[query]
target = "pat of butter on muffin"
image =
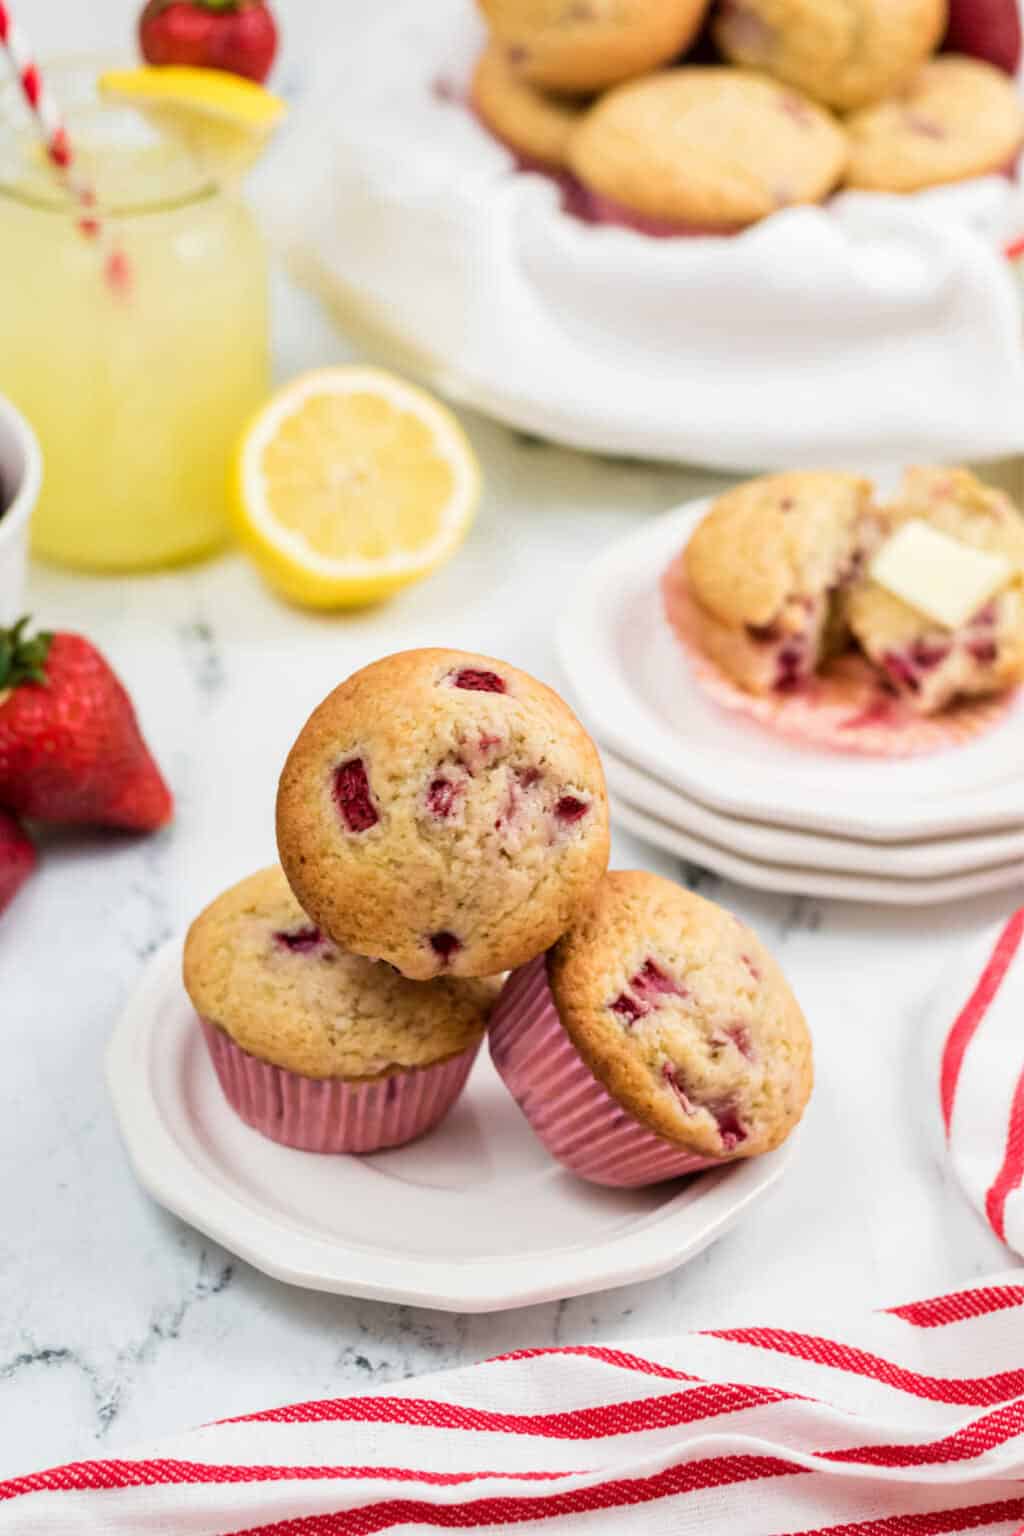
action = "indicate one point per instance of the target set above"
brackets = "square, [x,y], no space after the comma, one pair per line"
[939,576]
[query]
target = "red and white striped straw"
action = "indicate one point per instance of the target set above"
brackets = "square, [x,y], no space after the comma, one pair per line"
[57,140]
[34,89]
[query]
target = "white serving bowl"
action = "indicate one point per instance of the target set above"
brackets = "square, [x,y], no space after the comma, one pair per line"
[870,330]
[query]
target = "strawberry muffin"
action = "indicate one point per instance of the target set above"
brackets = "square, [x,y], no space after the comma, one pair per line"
[695,151]
[844,53]
[586,45]
[767,571]
[657,1037]
[445,812]
[956,119]
[320,1049]
[927,663]
[533,124]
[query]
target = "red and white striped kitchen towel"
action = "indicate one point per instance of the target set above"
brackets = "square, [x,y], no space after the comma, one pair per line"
[901,1423]
[981,1080]
[908,1422]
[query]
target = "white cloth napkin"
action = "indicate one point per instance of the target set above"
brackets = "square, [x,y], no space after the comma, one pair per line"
[980,1066]
[877,328]
[908,1422]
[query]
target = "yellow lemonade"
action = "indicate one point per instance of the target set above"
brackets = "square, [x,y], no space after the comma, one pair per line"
[138,352]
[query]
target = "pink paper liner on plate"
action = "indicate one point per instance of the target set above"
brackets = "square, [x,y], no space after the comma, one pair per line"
[331,1115]
[576,1118]
[844,709]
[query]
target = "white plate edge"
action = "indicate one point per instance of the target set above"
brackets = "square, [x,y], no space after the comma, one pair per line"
[769,844]
[168,1176]
[785,880]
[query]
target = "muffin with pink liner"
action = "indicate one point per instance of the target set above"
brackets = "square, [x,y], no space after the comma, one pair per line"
[656,1038]
[770,599]
[317,1048]
[768,569]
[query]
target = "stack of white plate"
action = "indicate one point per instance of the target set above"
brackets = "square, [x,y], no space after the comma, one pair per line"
[723,792]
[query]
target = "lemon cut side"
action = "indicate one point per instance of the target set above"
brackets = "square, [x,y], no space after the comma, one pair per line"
[352,484]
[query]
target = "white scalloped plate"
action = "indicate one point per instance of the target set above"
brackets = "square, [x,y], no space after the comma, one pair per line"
[473,1218]
[810,882]
[940,858]
[635,689]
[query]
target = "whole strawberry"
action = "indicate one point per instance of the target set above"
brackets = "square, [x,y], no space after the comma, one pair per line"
[17,859]
[70,746]
[237,35]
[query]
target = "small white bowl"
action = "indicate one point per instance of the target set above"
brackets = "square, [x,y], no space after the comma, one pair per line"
[21,475]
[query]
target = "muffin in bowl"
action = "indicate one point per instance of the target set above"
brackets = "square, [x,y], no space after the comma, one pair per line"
[587,45]
[844,53]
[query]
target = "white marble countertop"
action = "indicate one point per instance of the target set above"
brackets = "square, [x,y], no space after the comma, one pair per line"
[118,1323]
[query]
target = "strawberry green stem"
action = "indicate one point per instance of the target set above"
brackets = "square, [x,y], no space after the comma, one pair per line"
[23,657]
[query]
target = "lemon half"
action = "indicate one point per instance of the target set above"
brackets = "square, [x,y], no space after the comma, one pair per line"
[351,484]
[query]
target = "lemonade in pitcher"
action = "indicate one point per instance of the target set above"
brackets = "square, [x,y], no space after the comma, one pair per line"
[133,337]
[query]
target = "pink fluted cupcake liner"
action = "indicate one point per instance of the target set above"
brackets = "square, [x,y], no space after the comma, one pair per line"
[576,1118]
[332,1115]
[844,709]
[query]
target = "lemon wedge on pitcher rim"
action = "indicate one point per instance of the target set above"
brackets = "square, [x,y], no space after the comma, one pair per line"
[351,484]
[223,119]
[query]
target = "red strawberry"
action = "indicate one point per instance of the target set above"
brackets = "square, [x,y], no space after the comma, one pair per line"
[17,859]
[70,746]
[236,35]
